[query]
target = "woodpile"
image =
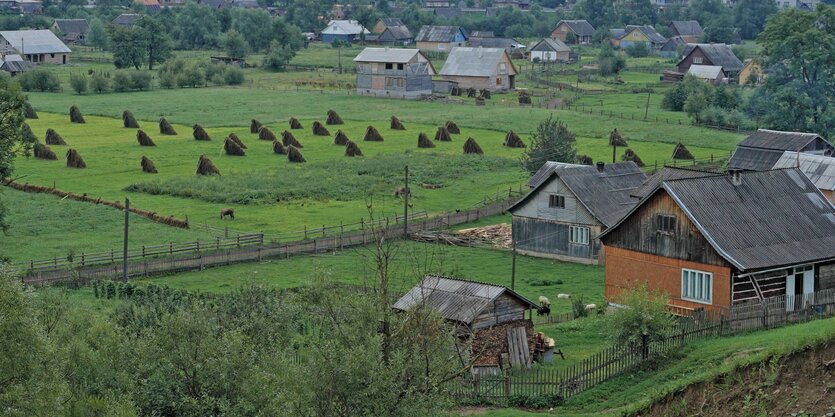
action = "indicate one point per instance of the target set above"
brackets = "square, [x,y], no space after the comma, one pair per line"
[341,138]
[443,135]
[165,128]
[497,235]
[75,115]
[630,155]
[148,165]
[43,152]
[53,138]
[206,167]
[452,128]
[424,142]
[351,149]
[333,118]
[29,111]
[200,133]
[234,138]
[232,148]
[319,129]
[615,139]
[293,155]
[471,146]
[288,139]
[74,159]
[681,152]
[278,148]
[254,126]
[372,135]
[144,139]
[512,140]
[584,160]
[129,121]
[266,134]
[396,124]
[488,345]
[294,123]
[455,91]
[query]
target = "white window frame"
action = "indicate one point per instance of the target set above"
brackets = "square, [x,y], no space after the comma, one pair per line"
[694,288]
[579,235]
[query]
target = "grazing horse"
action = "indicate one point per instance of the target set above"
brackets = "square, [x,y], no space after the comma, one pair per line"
[227,212]
[402,192]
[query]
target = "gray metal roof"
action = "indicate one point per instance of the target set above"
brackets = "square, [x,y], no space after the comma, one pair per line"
[35,41]
[687,27]
[709,72]
[455,299]
[579,27]
[126,19]
[437,33]
[14,64]
[818,168]
[475,62]
[647,30]
[753,159]
[544,172]
[552,44]
[494,42]
[673,43]
[718,54]
[398,32]
[72,26]
[778,140]
[668,173]
[391,21]
[393,55]
[344,27]
[617,33]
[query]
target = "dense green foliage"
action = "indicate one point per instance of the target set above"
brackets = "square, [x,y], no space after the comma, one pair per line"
[39,79]
[11,123]
[610,62]
[644,317]
[552,141]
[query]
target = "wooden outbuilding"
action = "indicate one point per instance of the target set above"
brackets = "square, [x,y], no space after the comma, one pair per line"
[582,31]
[480,68]
[440,38]
[396,73]
[763,148]
[718,54]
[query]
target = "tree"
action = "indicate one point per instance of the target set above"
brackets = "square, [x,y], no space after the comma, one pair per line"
[11,121]
[128,45]
[552,141]
[98,34]
[609,62]
[365,16]
[157,43]
[78,82]
[279,56]
[644,317]
[99,83]
[750,16]
[39,79]
[597,12]
[235,44]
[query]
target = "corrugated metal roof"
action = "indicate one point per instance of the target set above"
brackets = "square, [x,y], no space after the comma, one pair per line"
[777,140]
[494,42]
[545,171]
[454,299]
[753,159]
[35,41]
[668,173]
[554,44]
[391,21]
[393,55]
[12,65]
[709,72]
[688,27]
[126,19]
[344,27]
[398,32]
[718,54]
[819,169]
[72,26]
[579,27]
[429,33]
[648,31]
[475,62]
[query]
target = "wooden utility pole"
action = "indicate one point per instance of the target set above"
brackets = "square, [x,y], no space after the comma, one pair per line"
[125,246]
[646,110]
[406,204]
[513,267]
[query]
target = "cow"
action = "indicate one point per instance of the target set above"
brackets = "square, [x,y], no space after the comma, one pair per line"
[227,212]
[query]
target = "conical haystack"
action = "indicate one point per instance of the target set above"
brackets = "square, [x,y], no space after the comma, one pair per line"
[452,127]
[293,154]
[512,140]
[74,159]
[234,138]
[333,118]
[424,142]
[341,138]
[148,165]
[320,130]
[206,167]
[470,146]
[75,115]
[443,135]
[200,133]
[144,139]
[524,97]
[615,139]
[681,152]
[266,134]
[129,121]
[279,148]
[396,124]
[288,139]
[372,135]
[630,155]
[351,149]
[29,111]
[294,123]
[232,148]
[43,152]
[254,126]
[26,133]
[585,160]
[53,138]
[165,128]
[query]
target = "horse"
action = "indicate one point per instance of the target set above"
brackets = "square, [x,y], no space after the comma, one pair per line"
[227,212]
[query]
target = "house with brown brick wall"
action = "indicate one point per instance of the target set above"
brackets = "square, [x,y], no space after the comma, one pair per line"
[714,241]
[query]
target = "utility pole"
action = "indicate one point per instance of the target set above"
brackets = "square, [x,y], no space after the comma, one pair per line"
[406,204]
[614,152]
[513,267]
[646,111]
[125,246]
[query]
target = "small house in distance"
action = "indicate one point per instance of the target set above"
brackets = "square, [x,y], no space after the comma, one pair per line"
[71,30]
[580,30]
[642,34]
[15,64]
[396,73]
[689,30]
[480,68]
[671,47]
[763,148]
[391,32]
[36,46]
[343,30]
[569,205]
[711,54]
[384,23]
[550,50]
[440,38]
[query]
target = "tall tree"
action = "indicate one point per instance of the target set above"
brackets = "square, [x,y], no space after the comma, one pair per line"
[750,16]
[552,141]
[235,44]
[128,45]
[597,12]
[11,121]
[156,40]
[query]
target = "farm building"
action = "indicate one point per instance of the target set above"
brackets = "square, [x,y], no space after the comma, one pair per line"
[718,240]
[570,205]
[712,74]
[126,19]
[689,30]
[15,64]
[761,149]
[343,30]
[642,34]
[818,168]
[71,30]
[752,73]
[508,44]
[711,54]
[36,46]
[384,23]
[615,35]
[480,68]
[581,31]
[516,4]
[550,50]
[398,73]
[671,48]
[440,38]
[395,35]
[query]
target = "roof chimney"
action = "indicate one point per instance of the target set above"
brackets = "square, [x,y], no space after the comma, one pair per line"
[736,177]
[600,166]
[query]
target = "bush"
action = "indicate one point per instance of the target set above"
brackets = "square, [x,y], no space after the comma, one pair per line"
[192,76]
[167,79]
[278,57]
[609,62]
[637,50]
[39,79]
[121,82]
[534,401]
[213,72]
[644,317]
[140,80]
[233,76]
[99,83]
[78,82]
[578,307]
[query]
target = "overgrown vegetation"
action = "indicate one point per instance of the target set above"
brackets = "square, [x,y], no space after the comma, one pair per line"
[552,141]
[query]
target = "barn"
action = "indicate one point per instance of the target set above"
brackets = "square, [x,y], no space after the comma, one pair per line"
[390,72]
[480,68]
[36,46]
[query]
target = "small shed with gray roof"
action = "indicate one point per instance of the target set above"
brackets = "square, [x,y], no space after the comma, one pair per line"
[712,74]
[761,150]
[395,73]
[15,64]
[36,46]
[440,38]
[71,30]
[550,50]
[480,68]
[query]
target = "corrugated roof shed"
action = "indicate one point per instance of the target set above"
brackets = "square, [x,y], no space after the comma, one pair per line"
[475,62]
[344,27]
[687,28]
[553,44]
[753,159]
[437,33]
[399,32]
[778,140]
[72,26]
[579,27]
[818,168]
[14,64]
[126,19]
[707,72]
[35,41]
[718,54]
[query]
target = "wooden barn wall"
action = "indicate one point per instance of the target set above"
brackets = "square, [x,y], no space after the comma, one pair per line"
[504,309]
[685,64]
[550,237]
[639,233]
[826,277]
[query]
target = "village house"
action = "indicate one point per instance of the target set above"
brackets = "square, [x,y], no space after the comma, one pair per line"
[711,54]
[396,73]
[818,168]
[15,64]
[644,34]
[126,19]
[480,68]
[71,30]
[550,50]
[36,46]
[581,31]
[672,47]
[615,35]
[31,7]
[718,240]
[569,205]
[712,74]
[440,38]
[752,73]
[689,30]
[391,31]
[761,149]
[343,31]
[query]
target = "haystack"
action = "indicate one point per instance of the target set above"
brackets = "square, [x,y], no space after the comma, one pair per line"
[294,123]
[396,124]
[470,146]
[443,135]
[333,118]
[351,149]
[341,138]
[681,152]
[288,139]
[452,127]
[206,167]
[165,128]
[630,155]
[148,165]
[615,139]
[585,160]
[524,97]
[293,154]
[129,121]
[29,111]
[43,152]
[372,135]
[424,142]
[232,148]
[75,115]
[266,134]
[200,133]
[320,130]
[234,138]
[512,140]
[26,133]
[254,126]
[53,138]
[279,148]
[144,139]
[74,159]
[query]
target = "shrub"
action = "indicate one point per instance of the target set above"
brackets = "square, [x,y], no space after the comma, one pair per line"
[609,62]
[79,84]
[278,57]
[140,80]
[39,79]
[638,50]
[644,317]
[578,307]
[534,401]
[99,83]
[121,82]
[233,76]
[213,72]
[552,141]
[167,79]
[191,76]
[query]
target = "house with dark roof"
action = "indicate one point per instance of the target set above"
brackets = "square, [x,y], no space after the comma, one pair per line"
[393,72]
[126,19]
[35,46]
[689,30]
[71,30]
[550,50]
[15,64]
[448,13]
[761,149]
[569,205]
[395,36]
[581,31]
[645,34]
[717,241]
[718,54]
[385,22]
[480,68]
[440,38]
